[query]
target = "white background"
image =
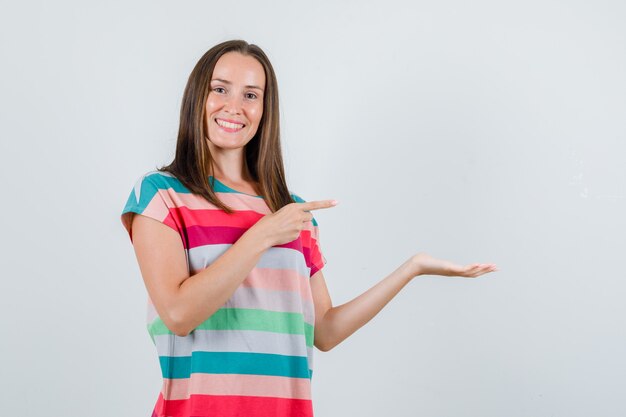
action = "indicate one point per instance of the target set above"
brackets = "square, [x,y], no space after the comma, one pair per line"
[481,131]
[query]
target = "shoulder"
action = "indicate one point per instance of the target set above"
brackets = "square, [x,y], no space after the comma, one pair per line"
[153,181]
[157,178]
[152,196]
[297,198]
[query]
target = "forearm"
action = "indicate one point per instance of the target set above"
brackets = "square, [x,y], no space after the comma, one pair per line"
[202,294]
[341,321]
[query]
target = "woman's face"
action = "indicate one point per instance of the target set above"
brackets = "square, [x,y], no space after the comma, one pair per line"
[235,103]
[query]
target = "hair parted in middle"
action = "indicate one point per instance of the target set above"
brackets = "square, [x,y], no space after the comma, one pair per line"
[193,163]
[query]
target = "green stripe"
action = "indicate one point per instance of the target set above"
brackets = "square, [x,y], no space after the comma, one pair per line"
[247,319]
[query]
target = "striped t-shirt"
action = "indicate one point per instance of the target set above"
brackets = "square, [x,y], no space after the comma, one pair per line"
[254,356]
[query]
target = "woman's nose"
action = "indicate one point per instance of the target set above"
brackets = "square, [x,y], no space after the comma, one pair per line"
[233,104]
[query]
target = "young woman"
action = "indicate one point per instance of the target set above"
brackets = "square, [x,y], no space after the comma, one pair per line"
[231,259]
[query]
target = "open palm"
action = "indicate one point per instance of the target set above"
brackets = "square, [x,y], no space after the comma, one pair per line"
[427,265]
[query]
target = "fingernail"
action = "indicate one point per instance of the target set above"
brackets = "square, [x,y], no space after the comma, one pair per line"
[334,202]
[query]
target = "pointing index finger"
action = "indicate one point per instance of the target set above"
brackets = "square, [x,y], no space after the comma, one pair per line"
[319,204]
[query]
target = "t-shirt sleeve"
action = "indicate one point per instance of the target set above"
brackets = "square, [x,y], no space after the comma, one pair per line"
[149,197]
[315,258]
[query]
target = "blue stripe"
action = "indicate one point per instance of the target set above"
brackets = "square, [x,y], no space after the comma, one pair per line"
[154,181]
[234,363]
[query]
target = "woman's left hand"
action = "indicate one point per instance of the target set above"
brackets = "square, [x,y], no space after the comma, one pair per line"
[425,264]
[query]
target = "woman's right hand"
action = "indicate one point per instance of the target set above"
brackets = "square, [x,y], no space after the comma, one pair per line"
[285,224]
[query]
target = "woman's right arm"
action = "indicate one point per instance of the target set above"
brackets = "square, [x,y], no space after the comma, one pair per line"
[183,302]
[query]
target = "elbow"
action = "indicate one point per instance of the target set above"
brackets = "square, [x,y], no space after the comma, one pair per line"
[181,323]
[321,347]
[176,324]
[181,332]
[324,345]
[324,348]
[177,328]
[323,339]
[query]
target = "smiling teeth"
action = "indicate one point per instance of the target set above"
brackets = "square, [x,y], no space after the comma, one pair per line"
[229,125]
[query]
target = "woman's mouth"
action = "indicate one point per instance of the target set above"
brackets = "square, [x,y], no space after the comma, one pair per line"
[228,126]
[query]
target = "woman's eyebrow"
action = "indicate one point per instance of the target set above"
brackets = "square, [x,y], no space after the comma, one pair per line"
[228,82]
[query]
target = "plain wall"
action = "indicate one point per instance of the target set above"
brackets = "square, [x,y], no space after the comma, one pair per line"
[481,131]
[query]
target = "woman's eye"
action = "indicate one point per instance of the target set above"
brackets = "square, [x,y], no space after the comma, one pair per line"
[218,88]
[251,94]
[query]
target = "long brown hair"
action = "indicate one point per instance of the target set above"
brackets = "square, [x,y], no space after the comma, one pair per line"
[193,164]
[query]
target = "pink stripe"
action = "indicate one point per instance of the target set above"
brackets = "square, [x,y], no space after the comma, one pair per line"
[233,406]
[253,208]
[212,217]
[279,279]
[196,202]
[156,210]
[219,235]
[213,235]
[235,384]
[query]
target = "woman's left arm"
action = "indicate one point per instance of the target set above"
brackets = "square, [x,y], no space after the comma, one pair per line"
[334,324]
